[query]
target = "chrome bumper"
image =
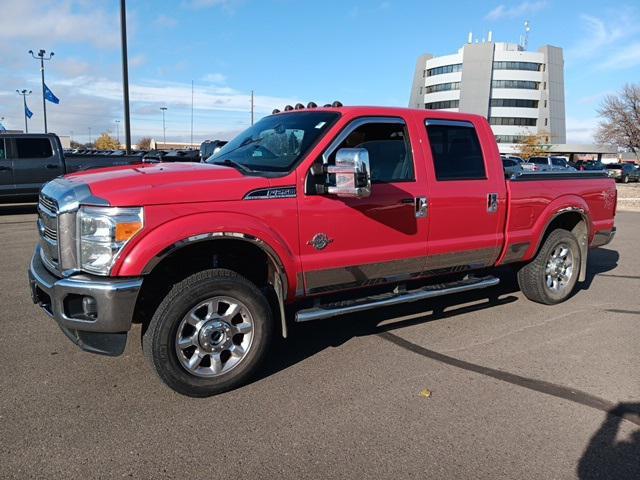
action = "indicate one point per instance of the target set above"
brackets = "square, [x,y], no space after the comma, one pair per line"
[604,237]
[104,329]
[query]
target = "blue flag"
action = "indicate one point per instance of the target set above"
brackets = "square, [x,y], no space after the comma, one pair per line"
[48,95]
[28,113]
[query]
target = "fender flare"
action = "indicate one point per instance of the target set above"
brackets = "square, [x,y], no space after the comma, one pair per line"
[167,238]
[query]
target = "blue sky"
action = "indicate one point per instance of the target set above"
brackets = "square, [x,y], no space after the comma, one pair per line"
[360,52]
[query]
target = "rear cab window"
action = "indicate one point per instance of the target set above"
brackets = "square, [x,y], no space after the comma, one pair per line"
[456,150]
[3,150]
[33,148]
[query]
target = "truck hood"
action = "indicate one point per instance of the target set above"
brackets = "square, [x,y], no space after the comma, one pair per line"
[160,183]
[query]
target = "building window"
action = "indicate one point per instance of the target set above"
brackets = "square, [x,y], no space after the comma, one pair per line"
[545,104]
[442,87]
[525,84]
[444,69]
[456,152]
[546,122]
[544,85]
[443,104]
[509,138]
[518,121]
[514,102]
[534,67]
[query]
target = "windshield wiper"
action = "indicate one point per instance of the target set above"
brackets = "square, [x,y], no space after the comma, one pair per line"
[227,162]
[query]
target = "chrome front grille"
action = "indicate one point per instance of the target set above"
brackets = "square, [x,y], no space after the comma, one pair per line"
[49,204]
[48,229]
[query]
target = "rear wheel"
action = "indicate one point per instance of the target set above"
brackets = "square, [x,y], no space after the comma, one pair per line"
[209,334]
[552,275]
[625,179]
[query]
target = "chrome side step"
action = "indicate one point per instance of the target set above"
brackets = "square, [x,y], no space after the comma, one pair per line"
[394,298]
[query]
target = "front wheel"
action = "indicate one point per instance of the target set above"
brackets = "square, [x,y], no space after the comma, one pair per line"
[552,275]
[625,179]
[210,333]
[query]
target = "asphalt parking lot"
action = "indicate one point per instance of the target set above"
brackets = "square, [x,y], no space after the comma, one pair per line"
[517,390]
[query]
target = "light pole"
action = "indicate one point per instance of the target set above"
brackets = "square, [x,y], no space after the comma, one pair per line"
[125,75]
[90,139]
[118,132]
[164,128]
[24,94]
[42,56]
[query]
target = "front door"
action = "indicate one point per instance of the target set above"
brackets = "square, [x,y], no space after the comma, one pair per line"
[34,164]
[354,242]
[6,170]
[467,200]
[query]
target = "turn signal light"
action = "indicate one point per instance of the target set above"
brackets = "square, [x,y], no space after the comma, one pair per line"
[124,231]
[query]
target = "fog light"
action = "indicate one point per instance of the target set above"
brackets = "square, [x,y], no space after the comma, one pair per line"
[89,307]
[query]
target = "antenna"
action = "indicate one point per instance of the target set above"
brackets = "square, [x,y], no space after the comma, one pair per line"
[527,29]
[490,36]
[470,38]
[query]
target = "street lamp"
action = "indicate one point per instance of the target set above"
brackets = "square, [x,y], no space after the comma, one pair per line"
[164,128]
[90,139]
[118,131]
[24,94]
[42,56]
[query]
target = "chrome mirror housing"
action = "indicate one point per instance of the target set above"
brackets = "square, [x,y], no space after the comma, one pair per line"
[351,172]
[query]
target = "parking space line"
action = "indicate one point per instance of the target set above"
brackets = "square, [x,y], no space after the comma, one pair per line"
[541,386]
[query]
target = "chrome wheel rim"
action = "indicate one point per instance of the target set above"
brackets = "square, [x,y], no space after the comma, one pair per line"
[559,269]
[214,336]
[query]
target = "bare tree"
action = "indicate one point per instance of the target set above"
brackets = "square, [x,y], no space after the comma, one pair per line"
[144,143]
[621,119]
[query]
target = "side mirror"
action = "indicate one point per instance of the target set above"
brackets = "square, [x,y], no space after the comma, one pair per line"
[351,172]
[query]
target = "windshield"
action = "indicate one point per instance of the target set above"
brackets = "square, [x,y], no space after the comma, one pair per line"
[277,142]
[539,160]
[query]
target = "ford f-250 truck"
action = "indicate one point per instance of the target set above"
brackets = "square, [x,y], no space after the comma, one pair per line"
[309,214]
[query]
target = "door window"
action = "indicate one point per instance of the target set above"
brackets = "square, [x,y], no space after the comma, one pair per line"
[455,150]
[389,150]
[33,148]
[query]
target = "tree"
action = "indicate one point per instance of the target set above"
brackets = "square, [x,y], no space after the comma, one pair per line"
[144,143]
[533,145]
[621,119]
[106,142]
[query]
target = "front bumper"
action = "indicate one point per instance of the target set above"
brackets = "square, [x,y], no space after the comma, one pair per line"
[104,329]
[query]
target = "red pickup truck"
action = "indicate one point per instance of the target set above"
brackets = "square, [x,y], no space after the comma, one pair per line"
[311,213]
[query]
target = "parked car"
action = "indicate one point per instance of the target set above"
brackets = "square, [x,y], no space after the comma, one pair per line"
[623,172]
[28,160]
[209,147]
[588,165]
[551,164]
[511,166]
[307,215]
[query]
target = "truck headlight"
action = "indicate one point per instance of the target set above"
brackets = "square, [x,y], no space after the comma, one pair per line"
[103,232]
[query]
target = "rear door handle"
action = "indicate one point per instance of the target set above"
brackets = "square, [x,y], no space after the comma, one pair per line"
[51,166]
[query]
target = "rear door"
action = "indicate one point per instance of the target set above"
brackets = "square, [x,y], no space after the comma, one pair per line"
[6,170]
[467,196]
[356,242]
[35,162]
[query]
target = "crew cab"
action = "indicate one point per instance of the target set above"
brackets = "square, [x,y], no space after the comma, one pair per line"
[29,160]
[309,214]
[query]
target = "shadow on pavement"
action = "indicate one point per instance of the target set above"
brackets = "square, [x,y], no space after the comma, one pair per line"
[18,209]
[601,260]
[608,458]
[307,339]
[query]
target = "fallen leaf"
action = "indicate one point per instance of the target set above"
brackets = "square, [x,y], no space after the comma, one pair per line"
[426,393]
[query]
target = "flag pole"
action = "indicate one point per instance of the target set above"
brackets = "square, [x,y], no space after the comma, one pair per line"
[125,75]
[26,125]
[191,114]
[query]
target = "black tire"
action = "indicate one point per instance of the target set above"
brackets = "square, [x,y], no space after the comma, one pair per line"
[625,179]
[532,278]
[159,340]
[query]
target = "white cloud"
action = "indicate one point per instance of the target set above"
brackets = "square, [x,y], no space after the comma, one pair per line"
[514,11]
[214,78]
[58,21]
[164,21]
[581,130]
[226,4]
[624,57]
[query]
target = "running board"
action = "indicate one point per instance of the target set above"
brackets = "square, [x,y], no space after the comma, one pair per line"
[394,298]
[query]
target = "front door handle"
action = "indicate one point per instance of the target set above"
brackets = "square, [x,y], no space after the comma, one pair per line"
[422,206]
[492,202]
[51,166]
[2,168]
